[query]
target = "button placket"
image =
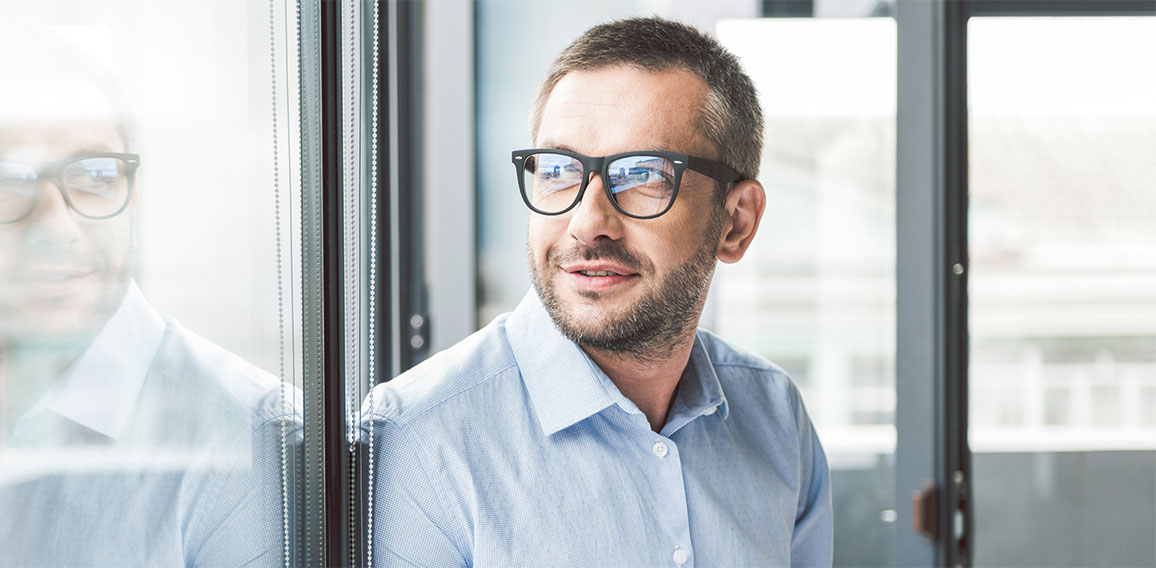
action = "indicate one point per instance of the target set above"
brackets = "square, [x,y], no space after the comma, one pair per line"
[681,555]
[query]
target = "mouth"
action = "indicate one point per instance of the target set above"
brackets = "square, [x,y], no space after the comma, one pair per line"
[599,278]
[53,284]
[51,274]
[597,273]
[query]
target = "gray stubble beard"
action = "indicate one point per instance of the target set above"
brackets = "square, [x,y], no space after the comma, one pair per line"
[651,329]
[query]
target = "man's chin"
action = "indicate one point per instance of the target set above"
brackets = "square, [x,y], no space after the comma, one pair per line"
[59,317]
[51,325]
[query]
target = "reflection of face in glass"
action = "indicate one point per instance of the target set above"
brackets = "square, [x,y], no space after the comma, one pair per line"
[63,268]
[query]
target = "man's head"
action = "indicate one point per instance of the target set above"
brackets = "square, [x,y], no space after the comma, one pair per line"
[62,272]
[633,286]
[729,116]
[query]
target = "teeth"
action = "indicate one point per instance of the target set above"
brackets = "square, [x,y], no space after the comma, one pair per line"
[597,273]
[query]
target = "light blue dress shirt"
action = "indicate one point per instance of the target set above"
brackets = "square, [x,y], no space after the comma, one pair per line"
[156,448]
[513,448]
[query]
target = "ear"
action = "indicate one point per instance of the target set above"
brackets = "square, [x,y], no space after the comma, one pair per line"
[743,209]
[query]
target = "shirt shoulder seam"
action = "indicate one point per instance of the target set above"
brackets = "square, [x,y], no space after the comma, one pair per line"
[374,413]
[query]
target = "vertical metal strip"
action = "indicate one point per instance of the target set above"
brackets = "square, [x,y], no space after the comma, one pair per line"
[383,186]
[393,220]
[956,457]
[414,315]
[921,268]
[336,449]
[311,545]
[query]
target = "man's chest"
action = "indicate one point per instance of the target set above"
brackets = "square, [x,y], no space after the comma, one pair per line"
[604,497]
[98,519]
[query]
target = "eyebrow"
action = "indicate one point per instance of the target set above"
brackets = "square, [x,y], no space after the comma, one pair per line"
[92,149]
[555,146]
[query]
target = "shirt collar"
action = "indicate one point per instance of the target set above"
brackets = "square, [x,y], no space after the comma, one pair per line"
[699,391]
[102,387]
[566,386]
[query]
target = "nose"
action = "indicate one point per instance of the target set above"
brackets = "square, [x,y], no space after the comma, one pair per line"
[595,216]
[52,222]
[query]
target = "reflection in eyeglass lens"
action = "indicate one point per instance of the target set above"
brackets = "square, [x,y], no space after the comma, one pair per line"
[552,180]
[96,186]
[17,190]
[642,185]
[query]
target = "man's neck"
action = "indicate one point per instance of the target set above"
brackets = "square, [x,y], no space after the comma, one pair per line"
[651,384]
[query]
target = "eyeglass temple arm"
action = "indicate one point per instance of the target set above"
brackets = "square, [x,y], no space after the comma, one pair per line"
[716,170]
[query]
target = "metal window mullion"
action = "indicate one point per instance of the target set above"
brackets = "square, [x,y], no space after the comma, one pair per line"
[337,456]
[391,164]
[325,492]
[416,321]
[310,549]
[931,311]
[955,459]
[448,129]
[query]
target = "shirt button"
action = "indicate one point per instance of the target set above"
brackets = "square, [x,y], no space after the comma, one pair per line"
[681,556]
[660,449]
[709,411]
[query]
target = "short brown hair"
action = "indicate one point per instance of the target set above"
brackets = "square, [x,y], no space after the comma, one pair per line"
[731,118]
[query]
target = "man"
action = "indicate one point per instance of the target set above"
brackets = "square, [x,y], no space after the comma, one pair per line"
[125,440]
[594,425]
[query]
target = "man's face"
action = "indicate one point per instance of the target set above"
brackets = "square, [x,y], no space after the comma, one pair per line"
[610,282]
[61,275]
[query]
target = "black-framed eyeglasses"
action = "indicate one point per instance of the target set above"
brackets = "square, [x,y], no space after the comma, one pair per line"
[96,186]
[642,185]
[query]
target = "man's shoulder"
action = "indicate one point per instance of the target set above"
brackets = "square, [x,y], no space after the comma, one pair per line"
[740,369]
[723,353]
[452,383]
[212,376]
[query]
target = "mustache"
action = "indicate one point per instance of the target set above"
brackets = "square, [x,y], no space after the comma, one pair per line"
[603,250]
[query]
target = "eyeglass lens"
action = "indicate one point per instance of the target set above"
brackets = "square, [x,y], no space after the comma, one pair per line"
[640,185]
[96,187]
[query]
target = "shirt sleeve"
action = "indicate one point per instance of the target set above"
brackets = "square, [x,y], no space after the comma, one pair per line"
[410,523]
[245,526]
[812,543]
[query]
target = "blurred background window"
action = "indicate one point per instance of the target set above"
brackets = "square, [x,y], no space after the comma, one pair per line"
[1062,293]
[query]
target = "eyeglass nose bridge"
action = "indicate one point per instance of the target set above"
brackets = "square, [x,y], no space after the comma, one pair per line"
[587,177]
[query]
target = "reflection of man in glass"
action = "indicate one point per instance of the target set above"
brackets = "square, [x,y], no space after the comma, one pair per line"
[595,424]
[124,439]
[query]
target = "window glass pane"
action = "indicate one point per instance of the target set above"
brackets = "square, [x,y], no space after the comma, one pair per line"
[1062,290]
[146,321]
[816,291]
